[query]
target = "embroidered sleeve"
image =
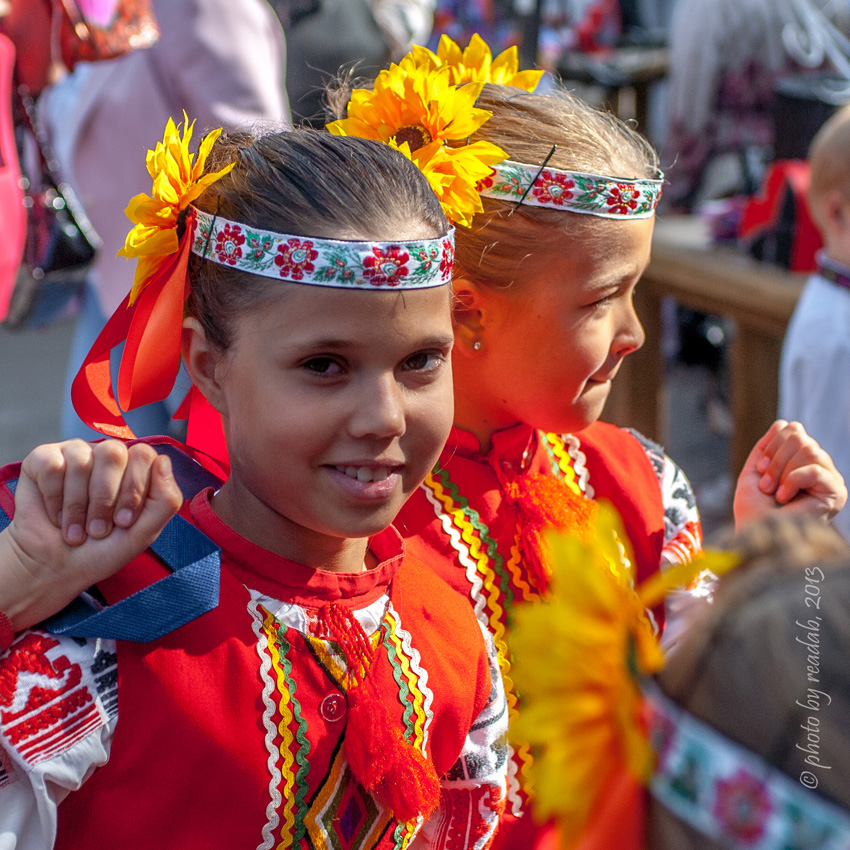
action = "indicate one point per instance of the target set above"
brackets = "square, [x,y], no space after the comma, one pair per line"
[473,792]
[682,528]
[682,542]
[58,711]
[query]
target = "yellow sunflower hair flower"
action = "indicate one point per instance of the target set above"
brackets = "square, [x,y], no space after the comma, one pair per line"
[579,656]
[178,179]
[419,112]
[475,63]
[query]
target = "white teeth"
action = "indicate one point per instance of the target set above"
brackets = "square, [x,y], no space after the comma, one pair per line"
[364,474]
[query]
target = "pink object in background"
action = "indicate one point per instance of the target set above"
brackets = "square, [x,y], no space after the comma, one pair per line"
[13,222]
[101,13]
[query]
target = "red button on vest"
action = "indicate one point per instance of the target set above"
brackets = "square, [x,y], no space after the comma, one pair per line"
[333,707]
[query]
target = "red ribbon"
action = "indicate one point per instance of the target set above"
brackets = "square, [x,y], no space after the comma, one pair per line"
[204,430]
[152,327]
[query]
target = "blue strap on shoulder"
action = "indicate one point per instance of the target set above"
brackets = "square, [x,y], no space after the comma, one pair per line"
[189,591]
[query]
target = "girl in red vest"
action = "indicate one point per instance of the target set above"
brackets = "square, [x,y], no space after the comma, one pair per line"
[273,671]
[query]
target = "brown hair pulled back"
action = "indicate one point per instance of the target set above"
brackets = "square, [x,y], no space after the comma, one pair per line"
[526,126]
[304,183]
[743,668]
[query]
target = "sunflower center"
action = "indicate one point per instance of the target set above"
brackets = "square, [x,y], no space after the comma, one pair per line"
[415,136]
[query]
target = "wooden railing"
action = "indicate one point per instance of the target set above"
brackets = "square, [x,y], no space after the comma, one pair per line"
[759,298]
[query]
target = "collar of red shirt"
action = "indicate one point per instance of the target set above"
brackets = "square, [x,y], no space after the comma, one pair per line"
[289,581]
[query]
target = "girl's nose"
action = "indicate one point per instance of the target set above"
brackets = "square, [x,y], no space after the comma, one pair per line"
[379,408]
[631,336]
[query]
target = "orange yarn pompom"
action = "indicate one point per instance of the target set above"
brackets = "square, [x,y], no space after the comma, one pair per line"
[382,761]
[545,502]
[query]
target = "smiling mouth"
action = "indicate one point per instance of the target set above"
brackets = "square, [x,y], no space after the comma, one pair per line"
[366,474]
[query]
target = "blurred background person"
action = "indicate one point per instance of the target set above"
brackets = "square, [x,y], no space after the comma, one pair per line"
[813,385]
[224,63]
[725,59]
[324,36]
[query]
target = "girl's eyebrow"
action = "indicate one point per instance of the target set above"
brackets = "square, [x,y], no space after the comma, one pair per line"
[619,278]
[338,343]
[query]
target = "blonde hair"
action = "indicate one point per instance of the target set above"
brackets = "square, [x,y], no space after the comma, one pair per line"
[742,669]
[829,157]
[527,126]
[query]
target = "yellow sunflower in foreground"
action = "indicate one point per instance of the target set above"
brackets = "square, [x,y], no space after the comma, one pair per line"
[421,113]
[578,659]
[475,64]
[177,181]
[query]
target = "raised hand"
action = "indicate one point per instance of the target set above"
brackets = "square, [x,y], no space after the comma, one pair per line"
[788,471]
[82,512]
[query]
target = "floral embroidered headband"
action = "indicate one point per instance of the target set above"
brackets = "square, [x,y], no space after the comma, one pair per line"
[572,191]
[416,264]
[730,794]
[150,320]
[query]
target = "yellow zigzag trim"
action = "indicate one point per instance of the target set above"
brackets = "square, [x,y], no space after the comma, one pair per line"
[470,537]
[565,462]
[513,565]
[287,774]
[412,681]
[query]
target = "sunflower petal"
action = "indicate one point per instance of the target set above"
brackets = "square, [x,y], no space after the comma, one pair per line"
[178,179]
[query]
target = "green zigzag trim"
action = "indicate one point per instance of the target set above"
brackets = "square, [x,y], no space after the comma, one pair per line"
[403,688]
[484,532]
[556,467]
[398,835]
[301,737]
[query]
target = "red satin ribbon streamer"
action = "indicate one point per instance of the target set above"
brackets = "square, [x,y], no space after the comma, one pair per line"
[204,430]
[152,328]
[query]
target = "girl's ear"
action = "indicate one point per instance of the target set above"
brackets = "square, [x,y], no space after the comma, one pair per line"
[468,316]
[835,211]
[202,361]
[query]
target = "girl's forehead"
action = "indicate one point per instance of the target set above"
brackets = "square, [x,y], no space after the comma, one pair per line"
[301,310]
[601,250]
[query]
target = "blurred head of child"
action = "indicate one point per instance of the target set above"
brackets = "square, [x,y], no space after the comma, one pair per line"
[829,187]
[766,668]
[749,717]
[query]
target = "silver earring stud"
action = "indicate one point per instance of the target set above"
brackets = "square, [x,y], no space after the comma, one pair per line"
[476,346]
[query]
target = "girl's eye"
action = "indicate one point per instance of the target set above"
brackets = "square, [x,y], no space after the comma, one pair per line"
[605,300]
[423,361]
[322,366]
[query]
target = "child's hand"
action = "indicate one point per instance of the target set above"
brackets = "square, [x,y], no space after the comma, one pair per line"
[82,511]
[788,471]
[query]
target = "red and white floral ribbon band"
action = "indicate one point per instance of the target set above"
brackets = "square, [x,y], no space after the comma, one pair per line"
[734,797]
[572,191]
[406,264]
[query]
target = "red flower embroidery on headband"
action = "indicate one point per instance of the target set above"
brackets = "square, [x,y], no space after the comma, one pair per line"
[486,182]
[623,198]
[553,188]
[386,268]
[295,258]
[228,244]
[448,259]
[742,806]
